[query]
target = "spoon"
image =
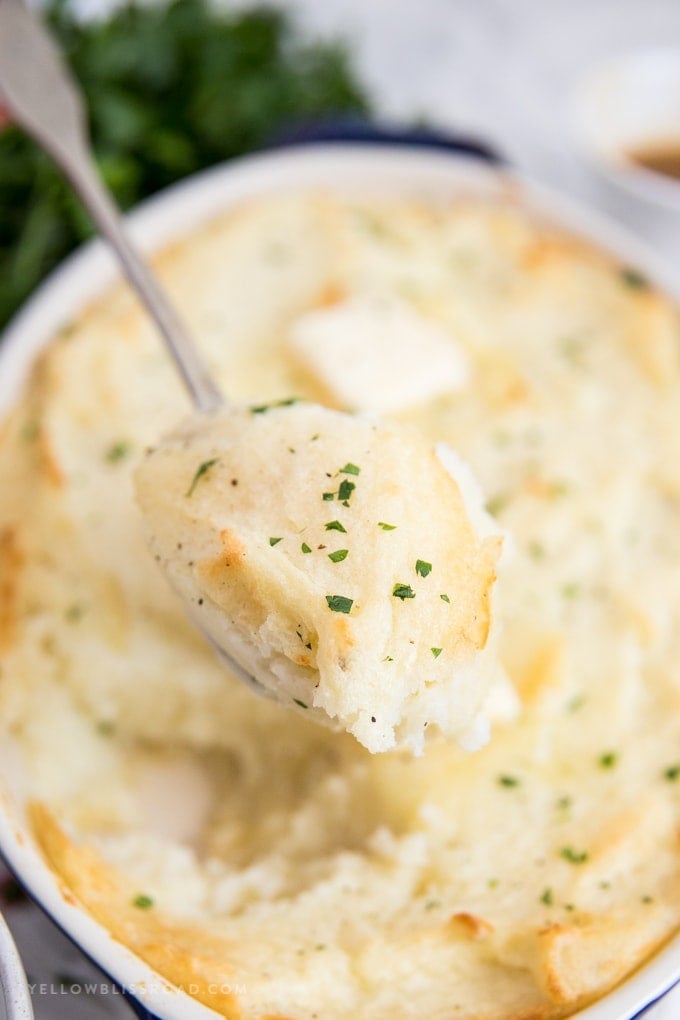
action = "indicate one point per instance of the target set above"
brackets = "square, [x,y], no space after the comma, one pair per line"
[333,632]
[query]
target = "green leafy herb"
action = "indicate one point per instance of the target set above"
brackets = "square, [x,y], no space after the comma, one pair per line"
[328,497]
[386,527]
[336,526]
[300,703]
[142,902]
[496,504]
[275,541]
[508,781]
[547,897]
[423,568]
[350,469]
[388,658]
[118,451]
[444,597]
[608,760]
[305,548]
[339,555]
[345,491]
[633,278]
[672,773]
[436,652]
[573,856]
[200,472]
[339,603]
[171,88]
[263,408]
[403,591]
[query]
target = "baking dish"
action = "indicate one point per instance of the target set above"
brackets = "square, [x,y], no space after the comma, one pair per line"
[363,168]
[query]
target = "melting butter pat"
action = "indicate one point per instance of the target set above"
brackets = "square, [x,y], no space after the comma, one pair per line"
[377,353]
[335,557]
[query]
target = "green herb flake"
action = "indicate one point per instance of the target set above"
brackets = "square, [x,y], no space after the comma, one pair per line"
[403,591]
[444,597]
[608,760]
[105,728]
[496,504]
[305,548]
[547,897]
[345,490]
[263,408]
[339,555]
[328,497]
[73,613]
[573,856]
[319,947]
[646,899]
[300,703]
[201,471]
[493,883]
[436,652]
[423,568]
[142,902]
[633,278]
[336,526]
[508,781]
[433,904]
[571,590]
[672,773]
[388,658]
[350,469]
[339,603]
[387,527]
[275,541]
[118,451]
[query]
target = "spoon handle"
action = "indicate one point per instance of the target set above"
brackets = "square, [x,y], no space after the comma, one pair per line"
[43,98]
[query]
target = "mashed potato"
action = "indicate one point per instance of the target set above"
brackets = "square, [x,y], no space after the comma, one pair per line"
[296,537]
[272,867]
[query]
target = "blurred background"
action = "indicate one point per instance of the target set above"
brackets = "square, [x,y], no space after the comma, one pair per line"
[175,87]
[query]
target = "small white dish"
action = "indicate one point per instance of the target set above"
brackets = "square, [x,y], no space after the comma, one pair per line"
[628,106]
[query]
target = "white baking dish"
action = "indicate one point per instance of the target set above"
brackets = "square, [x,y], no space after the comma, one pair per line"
[366,168]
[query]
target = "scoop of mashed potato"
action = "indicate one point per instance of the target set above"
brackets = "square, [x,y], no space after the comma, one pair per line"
[336,558]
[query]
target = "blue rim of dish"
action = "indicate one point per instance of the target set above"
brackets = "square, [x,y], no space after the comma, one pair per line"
[324,132]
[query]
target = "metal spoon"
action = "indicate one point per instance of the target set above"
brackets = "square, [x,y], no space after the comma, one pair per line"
[43,98]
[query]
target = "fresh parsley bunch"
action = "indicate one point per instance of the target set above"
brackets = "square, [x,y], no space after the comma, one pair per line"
[171,89]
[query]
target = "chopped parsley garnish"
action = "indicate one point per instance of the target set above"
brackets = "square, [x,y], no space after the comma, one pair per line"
[300,703]
[305,548]
[142,902]
[387,527]
[339,603]
[275,541]
[423,568]
[201,471]
[345,491]
[263,408]
[349,469]
[508,781]
[336,526]
[339,555]
[547,897]
[403,591]
[496,504]
[573,856]
[608,760]
[672,773]
[633,278]
[444,597]
[388,658]
[328,497]
[436,652]
[118,451]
